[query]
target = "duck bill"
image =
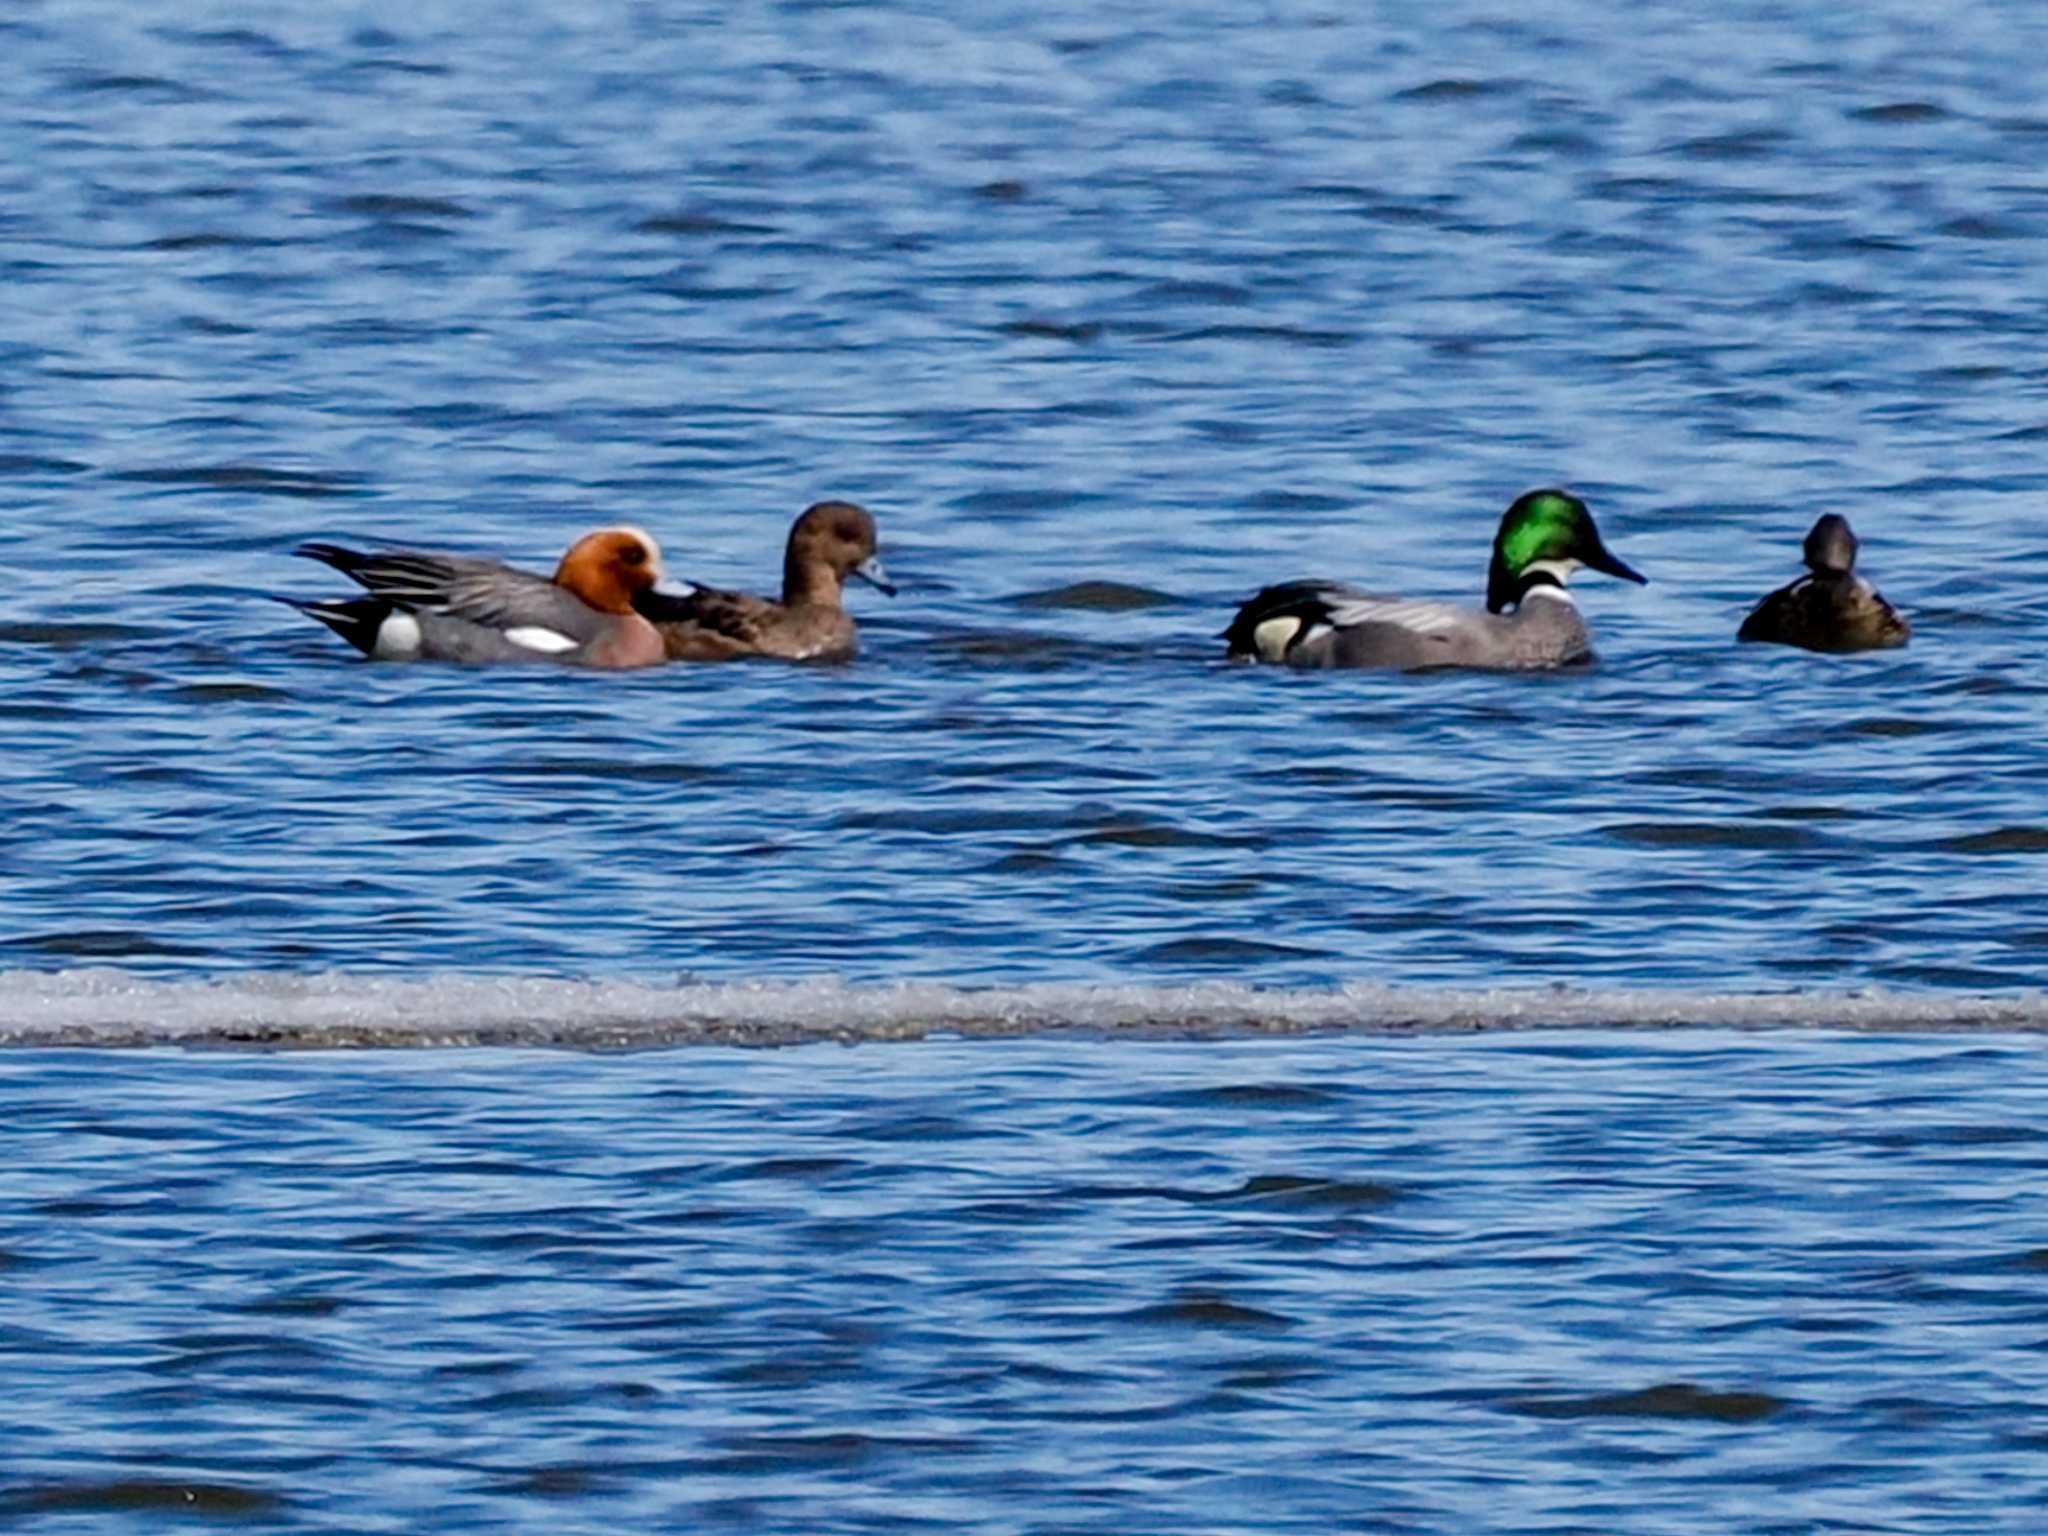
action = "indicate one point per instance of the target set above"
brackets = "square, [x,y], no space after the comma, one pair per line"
[870,571]
[664,604]
[1601,558]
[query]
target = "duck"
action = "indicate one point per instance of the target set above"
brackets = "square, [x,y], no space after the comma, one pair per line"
[829,543]
[1543,537]
[1830,608]
[462,608]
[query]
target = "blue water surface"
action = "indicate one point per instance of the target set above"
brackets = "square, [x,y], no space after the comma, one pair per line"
[1681,1284]
[1180,300]
[1111,315]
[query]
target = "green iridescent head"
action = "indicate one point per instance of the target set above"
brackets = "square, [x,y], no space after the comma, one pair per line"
[1542,537]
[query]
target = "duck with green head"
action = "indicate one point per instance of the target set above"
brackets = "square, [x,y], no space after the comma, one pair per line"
[1530,620]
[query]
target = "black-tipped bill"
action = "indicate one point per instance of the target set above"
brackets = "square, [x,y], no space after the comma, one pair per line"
[870,571]
[665,604]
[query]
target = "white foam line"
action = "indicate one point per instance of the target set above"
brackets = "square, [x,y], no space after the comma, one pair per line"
[110,1007]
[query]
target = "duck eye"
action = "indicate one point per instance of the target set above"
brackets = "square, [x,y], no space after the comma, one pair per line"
[634,554]
[846,533]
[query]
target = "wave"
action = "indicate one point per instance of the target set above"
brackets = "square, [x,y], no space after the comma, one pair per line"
[107,1007]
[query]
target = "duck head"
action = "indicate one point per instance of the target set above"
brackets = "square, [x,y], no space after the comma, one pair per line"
[609,567]
[830,542]
[1831,546]
[1544,537]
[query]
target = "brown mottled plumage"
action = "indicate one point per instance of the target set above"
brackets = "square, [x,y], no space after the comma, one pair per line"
[1830,608]
[829,543]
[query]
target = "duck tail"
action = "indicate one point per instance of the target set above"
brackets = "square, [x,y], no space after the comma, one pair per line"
[358,620]
[343,560]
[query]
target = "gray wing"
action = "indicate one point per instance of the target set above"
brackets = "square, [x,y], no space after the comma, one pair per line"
[474,591]
[1334,624]
[1374,643]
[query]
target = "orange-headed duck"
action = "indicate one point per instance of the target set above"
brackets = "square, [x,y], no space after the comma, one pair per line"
[830,542]
[461,608]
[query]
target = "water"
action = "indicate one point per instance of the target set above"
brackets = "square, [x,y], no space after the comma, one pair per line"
[1180,302]
[1683,1283]
[1111,318]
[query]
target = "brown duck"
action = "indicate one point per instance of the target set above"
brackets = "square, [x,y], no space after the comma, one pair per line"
[829,543]
[1830,608]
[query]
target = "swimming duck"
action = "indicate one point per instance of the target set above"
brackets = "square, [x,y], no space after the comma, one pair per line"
[1543,538]
[1830,608]
[830,542]
[461,608]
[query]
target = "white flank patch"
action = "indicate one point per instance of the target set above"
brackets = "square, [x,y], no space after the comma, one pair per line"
[536,638]
[398,637]
[1270,638]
